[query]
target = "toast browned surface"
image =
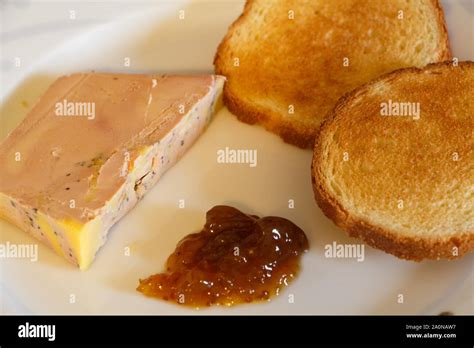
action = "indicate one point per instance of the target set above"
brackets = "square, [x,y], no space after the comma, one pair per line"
[297,64]
[400,183]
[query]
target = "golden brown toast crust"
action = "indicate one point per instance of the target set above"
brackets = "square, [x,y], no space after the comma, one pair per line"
[293,132]
[402,246]
[445,54]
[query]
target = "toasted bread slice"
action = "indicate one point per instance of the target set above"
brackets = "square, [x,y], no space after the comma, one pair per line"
[401,176]
[288,62]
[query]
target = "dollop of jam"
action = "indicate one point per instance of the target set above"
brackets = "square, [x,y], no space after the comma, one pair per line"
[236,258]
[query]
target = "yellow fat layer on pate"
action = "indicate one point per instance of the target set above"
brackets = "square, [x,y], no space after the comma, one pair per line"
[49,233]
[83,239]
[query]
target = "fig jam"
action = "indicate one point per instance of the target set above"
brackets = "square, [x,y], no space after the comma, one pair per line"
[236,258]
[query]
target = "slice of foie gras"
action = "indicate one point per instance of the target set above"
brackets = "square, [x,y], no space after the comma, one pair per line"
[92,146]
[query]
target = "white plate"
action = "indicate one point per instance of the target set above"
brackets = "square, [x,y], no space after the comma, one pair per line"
[158,41]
